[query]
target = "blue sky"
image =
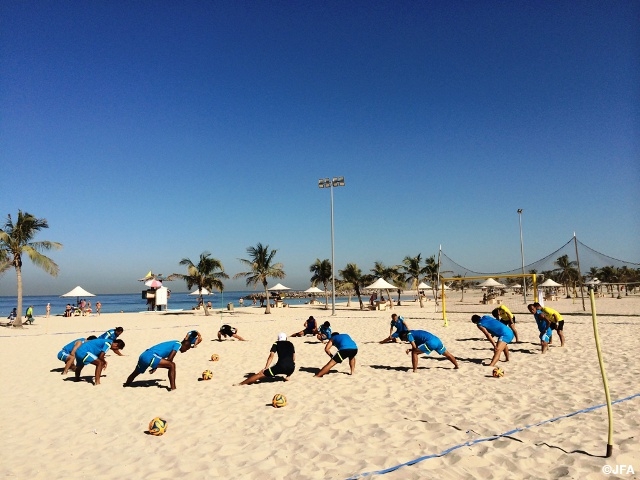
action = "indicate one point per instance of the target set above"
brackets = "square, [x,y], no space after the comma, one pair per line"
[146,132]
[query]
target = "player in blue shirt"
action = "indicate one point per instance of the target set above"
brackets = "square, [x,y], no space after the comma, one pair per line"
[68,353]
[194,338]
[401,327]
[544,327]
[347,348]
[424,342]
[93,351]
[160,356]
[492,327]
[112,334]
[325,332]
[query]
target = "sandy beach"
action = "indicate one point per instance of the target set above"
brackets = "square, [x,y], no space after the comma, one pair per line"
[335,427]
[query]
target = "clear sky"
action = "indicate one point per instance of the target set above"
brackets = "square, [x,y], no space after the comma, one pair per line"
[146,132]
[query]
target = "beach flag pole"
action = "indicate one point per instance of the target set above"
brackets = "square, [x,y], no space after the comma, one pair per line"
[602,371]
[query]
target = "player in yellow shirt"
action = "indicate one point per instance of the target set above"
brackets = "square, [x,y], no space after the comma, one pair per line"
[507,318]
[557,322]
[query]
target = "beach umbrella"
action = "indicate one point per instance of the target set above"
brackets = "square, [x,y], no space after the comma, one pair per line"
[490,282]
[380,284]
[313,290]
[549,283]
[279,287]
[423,286]
[204,291]
[153,283]
[78,292]
[517,285]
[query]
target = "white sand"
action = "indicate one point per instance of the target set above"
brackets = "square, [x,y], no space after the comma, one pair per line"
[334,427]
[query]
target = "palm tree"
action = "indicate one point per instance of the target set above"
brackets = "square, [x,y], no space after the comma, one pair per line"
[413,272]
[322,272]
[431,275]
[206,274]
[353,275]
[609,276]
[262,267]
[16,239]
[566,272]
[381,271]
[399,278]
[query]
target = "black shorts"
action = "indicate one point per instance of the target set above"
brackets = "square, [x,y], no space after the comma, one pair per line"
[507,322]
[227,330]
[280,369]
[560,326]
[308,331]
[346,353]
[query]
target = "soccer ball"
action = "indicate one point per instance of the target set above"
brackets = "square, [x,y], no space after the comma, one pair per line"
[215,357]
[498,372]
[157,426]
[279,400]
[207,375]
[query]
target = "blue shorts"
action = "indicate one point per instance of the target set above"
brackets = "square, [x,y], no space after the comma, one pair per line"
[432,347]
[63,355]
[507,337]
[88,358]
[147,359]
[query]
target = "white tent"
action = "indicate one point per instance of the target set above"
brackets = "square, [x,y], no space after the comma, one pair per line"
[381,284]
[549,283]
[313,290]
[517,285]
[490,282]
[78,292]
[423,286]
[198,292]
[278,287]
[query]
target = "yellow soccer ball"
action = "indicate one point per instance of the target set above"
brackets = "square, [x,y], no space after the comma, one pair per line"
[215,357]
[157,426]
[279,400]
[498,372]
[207,375]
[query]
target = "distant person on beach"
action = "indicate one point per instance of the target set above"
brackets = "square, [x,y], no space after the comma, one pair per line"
[68,353]
[194,338]
[324,332]
[241,302]
[93,352]
[400,325]
[544,327]
[12,316]
[159,356]
[29,314]
[490,326]
[424,342]
[82,306]
[504,315]
[68,312]
[48,309]
[112,334]
[347,348]
[98,307]
[555,319]
[310,328]
[285,365]
[229,331]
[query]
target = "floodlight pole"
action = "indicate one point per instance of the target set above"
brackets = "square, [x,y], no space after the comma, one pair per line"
[524,280]
[326,183]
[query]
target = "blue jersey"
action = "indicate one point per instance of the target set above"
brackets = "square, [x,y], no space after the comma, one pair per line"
[109,334]
[544,326]
[69,346]
[400,325]
[342,341]
[164,349]
[494,327]
[192,336]
[326,331]
[96,347]
[422,336]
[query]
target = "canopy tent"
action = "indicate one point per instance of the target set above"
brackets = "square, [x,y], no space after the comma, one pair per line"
[423,286]
[153,283]
[78,292]
[517,285]
[279,287]
[380,284]
[490,282]
[313,290]
[593,281]
[549,283]
[204,291]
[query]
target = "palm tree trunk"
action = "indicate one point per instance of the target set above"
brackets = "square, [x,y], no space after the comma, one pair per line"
[266,291]
[399,293]
[390,300]
[17,323]
[359,297]
[326,297]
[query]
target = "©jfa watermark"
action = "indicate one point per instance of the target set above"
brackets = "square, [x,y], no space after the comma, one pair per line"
[620,469]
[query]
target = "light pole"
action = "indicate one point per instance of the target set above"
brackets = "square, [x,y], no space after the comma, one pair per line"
[524,280]
[327,183]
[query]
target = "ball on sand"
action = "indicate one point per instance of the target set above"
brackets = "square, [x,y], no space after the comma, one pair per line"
[207,375]
[215,357]
[157,426]
[279,400]
[498,372]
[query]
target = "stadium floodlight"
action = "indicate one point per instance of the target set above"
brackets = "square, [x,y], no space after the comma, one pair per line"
[327,183]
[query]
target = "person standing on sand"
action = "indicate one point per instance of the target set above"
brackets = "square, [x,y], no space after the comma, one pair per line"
[347,348]
[48,309]
[112,334]
[68,353]
[160,356]
[424,342]
[93,352]
[98,307]
[507,318]
[555,319]
[401,327]
[544,327]
[285,365]
[490,326]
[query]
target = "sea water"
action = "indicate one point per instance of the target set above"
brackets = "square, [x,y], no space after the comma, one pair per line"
[131,302]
